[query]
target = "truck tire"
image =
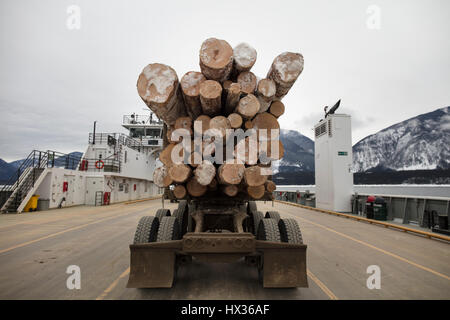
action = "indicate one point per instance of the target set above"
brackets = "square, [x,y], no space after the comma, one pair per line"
[273,214]
[162,213]
[290,231]
[257,217]
[268,230]
[183,210]
[251,208]
[168,229]
[147,230]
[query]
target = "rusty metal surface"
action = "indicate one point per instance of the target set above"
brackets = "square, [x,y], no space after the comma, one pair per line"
[152,265]
[207,242]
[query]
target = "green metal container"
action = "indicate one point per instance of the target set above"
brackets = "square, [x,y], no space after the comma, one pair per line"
[380,211]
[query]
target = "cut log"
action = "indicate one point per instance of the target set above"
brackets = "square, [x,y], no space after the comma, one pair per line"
[248,124]
[210,97]
[256,192]
[233,95]
[221,124]
[201,124]
[169,136]
[196,159]
[235,120]
[270,186]
[246,151]
[157,85]
[180,172]
[190,86]
[179,191]
[230,190]
[166,155]
[268,122]
[244,57]
[184,123]
[205,173]
[216,59]
[277,108]
[247,81]
[161,177]
[231,173]
[265,92]
[253,176]
[213,185]
[194,188]
[284,71]
[248,106]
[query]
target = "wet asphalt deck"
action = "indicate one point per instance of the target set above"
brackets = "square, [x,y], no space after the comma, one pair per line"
[36,249]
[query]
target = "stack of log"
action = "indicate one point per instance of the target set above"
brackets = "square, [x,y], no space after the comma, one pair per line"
[224,95]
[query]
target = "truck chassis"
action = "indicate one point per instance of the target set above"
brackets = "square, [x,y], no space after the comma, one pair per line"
[217,230]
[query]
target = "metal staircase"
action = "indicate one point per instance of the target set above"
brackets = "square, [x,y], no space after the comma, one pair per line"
[23,181]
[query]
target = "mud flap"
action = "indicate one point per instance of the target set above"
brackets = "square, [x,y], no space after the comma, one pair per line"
[284,267]
[152,265]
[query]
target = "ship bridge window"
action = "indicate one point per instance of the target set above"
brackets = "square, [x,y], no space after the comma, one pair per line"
[154,133]
[137,132]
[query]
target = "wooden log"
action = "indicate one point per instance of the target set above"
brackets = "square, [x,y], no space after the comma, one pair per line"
[246,151]
[165,155]
[256,192]
[266,121]
[244,57]
[284,71]
[248,106]
[179,191]
[253,176]
[211,97]
[194,188]
[184,123]
[247,80]
[221,124]
[170,129]
[276,108]
[161,177]
[270,186]
[157,85]
[205,173]
[180,172]
[248,124]
[213,185]
[230,190]
[231,173]
[216,59]
[202,122]
[190,86]
[233,95]
[265,92]
[235,120]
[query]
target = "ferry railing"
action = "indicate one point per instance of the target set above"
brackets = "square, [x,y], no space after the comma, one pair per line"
[31,168]
[99,165]
[141,119]
[113,139]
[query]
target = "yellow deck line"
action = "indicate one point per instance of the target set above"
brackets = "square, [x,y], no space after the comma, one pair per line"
[429,235]
[113,285]
[375,248]
[142,200]
[321,285]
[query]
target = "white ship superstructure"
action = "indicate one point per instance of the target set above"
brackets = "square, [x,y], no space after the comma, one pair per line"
[115,167]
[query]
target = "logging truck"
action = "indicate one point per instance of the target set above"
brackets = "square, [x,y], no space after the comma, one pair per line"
[217,219]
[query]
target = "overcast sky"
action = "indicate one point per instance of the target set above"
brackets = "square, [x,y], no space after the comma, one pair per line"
[54,82]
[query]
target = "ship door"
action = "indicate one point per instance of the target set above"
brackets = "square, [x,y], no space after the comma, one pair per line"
[70,193]
[93,184]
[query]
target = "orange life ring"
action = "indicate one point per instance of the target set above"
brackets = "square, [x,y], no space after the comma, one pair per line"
[102,164]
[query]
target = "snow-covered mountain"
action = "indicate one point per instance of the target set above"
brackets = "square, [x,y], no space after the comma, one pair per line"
[422,142]
[298,152]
